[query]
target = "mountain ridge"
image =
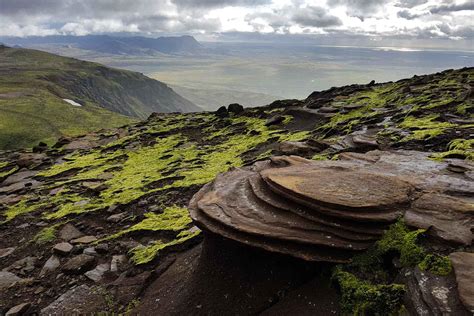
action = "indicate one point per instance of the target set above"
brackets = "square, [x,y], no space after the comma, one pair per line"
[36,83]
[132,45]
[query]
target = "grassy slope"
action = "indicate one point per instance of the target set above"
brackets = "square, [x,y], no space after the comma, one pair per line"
[33,84]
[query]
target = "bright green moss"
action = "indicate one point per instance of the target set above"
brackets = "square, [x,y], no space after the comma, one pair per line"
[425,127]
[400,239]
[145,254]
[296,136]
[47,234]
[439,265]
[320,157]
[173,218]
[362,298]
[20,208]
[458,148]
[6,173]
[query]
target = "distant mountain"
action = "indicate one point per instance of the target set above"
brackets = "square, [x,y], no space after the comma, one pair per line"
[45,96]
[112,45]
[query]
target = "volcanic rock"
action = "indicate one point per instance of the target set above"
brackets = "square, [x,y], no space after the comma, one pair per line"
[63,248]
[79,264]
[235,108]
[69,232]
[51,265]
[463,263]
[81,300]
[18,310]
[84,240]
[331,210]
[7,279]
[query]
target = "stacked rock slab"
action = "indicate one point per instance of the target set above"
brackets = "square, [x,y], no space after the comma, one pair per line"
[332,210]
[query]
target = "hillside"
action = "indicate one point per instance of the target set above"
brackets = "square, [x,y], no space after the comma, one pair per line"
[34,84]
[101,222]
[115,45]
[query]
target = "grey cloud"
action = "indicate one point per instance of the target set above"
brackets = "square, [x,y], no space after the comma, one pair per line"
[410,3]
[218,3]
[360,8]
[315,17]
[406,14]
[452,7]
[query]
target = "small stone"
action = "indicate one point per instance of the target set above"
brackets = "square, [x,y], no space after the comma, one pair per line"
[84,240]
[79,264]
[102,248]
[90,251]
[112,208]
[235,108]
[97,274]
[7,279]
[18,310]
[274,120]
[63,248]
[116,217]
[5,252]
[222,112]
[23,226]
[51,265]
[117,263]
[69,232]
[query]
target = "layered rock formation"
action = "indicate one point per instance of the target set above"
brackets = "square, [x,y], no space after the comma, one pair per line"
[330,210]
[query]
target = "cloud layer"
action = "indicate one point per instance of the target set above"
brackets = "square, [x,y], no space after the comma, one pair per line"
[426,19]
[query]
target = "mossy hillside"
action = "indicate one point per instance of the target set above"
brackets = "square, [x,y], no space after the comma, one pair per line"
[366,285]
[143,164]
[413,110]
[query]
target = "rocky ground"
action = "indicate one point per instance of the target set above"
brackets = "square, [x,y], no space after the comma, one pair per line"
[101,223]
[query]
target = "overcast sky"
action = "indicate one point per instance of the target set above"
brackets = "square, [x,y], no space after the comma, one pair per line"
[408,19]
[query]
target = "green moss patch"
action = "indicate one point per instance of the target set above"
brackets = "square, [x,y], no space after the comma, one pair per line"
[362,298]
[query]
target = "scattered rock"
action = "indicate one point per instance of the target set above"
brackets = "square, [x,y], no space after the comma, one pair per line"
[7,279]
[81,300]
[18,310]
[295,148]
[78,264]
[102,248]
[235,108]
[90,251]
[5,252]
[63,248]
[84,240]
[118,263]
[116,217]
[69,232]
[275,120]
[97,274]
[222,112]
[51,265]
[23,266]
[41,147]
[463,264]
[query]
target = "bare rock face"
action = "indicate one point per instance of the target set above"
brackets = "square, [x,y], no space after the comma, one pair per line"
[331,210]
[463,263]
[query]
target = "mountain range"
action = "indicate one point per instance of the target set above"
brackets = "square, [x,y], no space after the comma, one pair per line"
[135,45]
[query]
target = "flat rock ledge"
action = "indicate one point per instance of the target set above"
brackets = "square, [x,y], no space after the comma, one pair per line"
[331,210]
